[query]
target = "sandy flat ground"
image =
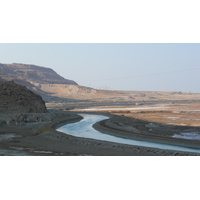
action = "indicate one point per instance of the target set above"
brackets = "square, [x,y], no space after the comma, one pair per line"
[178,114]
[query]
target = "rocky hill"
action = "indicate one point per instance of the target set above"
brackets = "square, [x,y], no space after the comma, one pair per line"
[32,74]
[45,82]
[14,97]
[32,77]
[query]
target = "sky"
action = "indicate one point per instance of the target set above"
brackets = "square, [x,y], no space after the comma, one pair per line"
[115,66]
[118,45]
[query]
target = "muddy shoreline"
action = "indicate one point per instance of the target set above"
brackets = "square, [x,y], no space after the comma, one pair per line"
[42,139]
[102,127]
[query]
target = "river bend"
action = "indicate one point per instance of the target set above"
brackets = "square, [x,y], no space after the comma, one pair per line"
[84,129]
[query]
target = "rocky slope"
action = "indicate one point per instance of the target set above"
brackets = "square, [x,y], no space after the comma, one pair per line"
[32,74]
[32,77]
[44,81]
[14,97]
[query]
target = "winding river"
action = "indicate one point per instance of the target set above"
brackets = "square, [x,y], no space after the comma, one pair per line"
[84,129]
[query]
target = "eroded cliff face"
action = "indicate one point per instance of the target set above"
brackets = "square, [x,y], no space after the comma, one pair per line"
[41,80]
[66,90]
[14,97]
[32,73]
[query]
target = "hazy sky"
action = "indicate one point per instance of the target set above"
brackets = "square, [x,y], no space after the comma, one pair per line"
[118,66]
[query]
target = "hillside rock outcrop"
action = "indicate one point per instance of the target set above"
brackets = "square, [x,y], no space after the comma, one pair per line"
[66,90]
[14,97]
[32,74]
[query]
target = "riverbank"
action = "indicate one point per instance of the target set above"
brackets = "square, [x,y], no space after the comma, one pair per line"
[43,139]
[24,138]
[131,128]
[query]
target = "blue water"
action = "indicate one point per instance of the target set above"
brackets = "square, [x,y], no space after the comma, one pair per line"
[84,129]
